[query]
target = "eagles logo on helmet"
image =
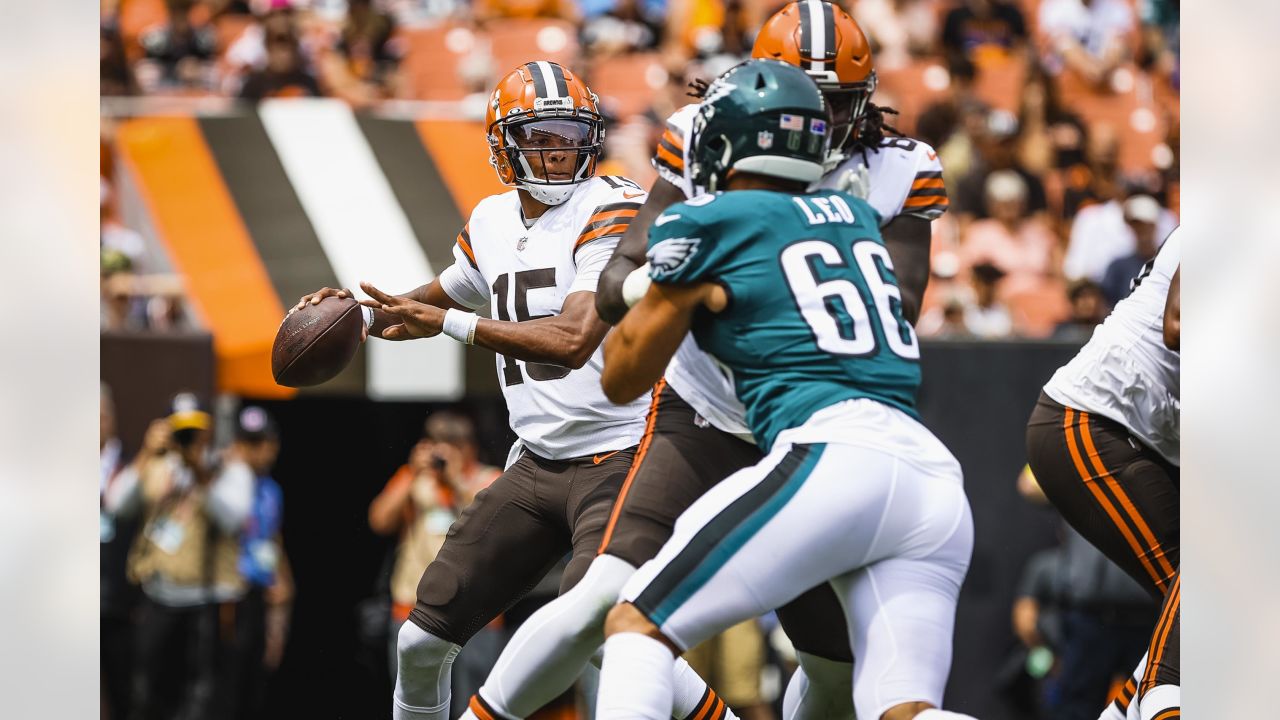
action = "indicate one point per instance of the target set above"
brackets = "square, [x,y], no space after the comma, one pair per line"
[545,131]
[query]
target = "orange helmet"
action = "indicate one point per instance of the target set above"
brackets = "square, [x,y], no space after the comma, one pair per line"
[545,131]
[824,41]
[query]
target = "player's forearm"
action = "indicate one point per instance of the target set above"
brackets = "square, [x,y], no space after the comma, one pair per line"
[636,353]
[907,239]
[556,340]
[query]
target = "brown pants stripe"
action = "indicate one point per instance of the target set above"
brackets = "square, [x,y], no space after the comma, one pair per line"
[645,442]
[1152,547]
[1160,639]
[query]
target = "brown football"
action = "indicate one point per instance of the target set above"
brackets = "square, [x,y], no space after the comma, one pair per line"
[315,343]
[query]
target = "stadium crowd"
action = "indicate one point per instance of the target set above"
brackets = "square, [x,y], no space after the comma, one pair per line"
[1056,120]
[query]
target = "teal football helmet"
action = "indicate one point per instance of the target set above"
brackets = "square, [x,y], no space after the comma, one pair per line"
[765,117]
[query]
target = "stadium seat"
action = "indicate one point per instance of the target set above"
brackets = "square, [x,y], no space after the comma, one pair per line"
[999,83]
[1038,309]
[912,88]
[432,58]
[626,84]
[515,42]
[1132,105]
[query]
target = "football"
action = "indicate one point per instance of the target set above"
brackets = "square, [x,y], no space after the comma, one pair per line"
[315,343]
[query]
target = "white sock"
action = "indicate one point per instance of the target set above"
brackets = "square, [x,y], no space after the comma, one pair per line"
[691,694]
[549,651]
[936,714]
[423,675]
[635,681]
[820,689]
[1159,699]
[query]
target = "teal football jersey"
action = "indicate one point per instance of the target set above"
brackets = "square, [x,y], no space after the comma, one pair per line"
[815,314]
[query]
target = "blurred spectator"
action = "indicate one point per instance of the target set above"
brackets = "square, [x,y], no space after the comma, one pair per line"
[1141,213]
[619,27]
[955,124]
[987,317]
[1160,36]
[1051,136]
[984,30]
[486,10]
[1021,246]
[178,54]
[366,45]
[119,597]
[120,309]
[997,150]
[731,663]
[114,74]
[1101,235]
[248,52]
[422,500]
[898,29]
[1103,621]
[186,559]
[113,236]
[1089,37]
[1088,309]
[262,618]
[1097,178]
[283,75]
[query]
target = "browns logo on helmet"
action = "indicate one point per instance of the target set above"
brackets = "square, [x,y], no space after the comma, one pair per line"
[823,40]
[545,131]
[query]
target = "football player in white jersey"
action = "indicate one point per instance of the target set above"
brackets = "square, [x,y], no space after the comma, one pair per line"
[535,253]
[1104,443]
[697,433]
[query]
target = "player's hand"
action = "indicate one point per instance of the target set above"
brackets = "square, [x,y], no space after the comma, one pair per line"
[315,297]
[158,437]
[417,320]
[420,457]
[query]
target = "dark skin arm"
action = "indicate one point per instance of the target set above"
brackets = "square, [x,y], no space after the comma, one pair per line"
[567,339]
[907,239]
[1173,312]
[636,353]
[630,253]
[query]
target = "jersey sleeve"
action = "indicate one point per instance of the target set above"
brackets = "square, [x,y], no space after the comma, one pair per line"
[590,262]
[927,197]
[671,157]
[681,247]
[462,280]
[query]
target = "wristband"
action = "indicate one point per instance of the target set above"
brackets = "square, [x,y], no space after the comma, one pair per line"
[460,326]
[636,285]
[368,317]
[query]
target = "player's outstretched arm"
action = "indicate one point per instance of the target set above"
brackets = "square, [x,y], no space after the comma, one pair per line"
[432,294]
[1173,312]
[636,353]
[907,239]
[567,339]
[629,254]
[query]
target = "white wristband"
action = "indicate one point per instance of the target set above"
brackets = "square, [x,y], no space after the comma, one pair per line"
[368,317]
[461,326]
[636,285]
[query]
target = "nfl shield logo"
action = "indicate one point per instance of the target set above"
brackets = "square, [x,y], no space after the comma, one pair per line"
[764,139]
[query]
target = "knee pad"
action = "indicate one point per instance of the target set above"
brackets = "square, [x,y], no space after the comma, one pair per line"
[424,671]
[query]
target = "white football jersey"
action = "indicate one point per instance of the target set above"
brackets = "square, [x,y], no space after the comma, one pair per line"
[527,272]
[1125,373]
[905,179]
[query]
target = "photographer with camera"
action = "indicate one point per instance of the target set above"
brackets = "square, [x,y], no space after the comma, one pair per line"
[193,507]
[422,500]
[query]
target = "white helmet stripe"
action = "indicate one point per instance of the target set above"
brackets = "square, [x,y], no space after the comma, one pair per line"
[817,34]
[548,78]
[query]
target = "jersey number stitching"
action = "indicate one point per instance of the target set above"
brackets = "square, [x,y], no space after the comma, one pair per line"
[836,310]
[525,280]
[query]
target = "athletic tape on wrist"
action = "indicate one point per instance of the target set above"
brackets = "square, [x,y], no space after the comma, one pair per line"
[368,317]
[460,326]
